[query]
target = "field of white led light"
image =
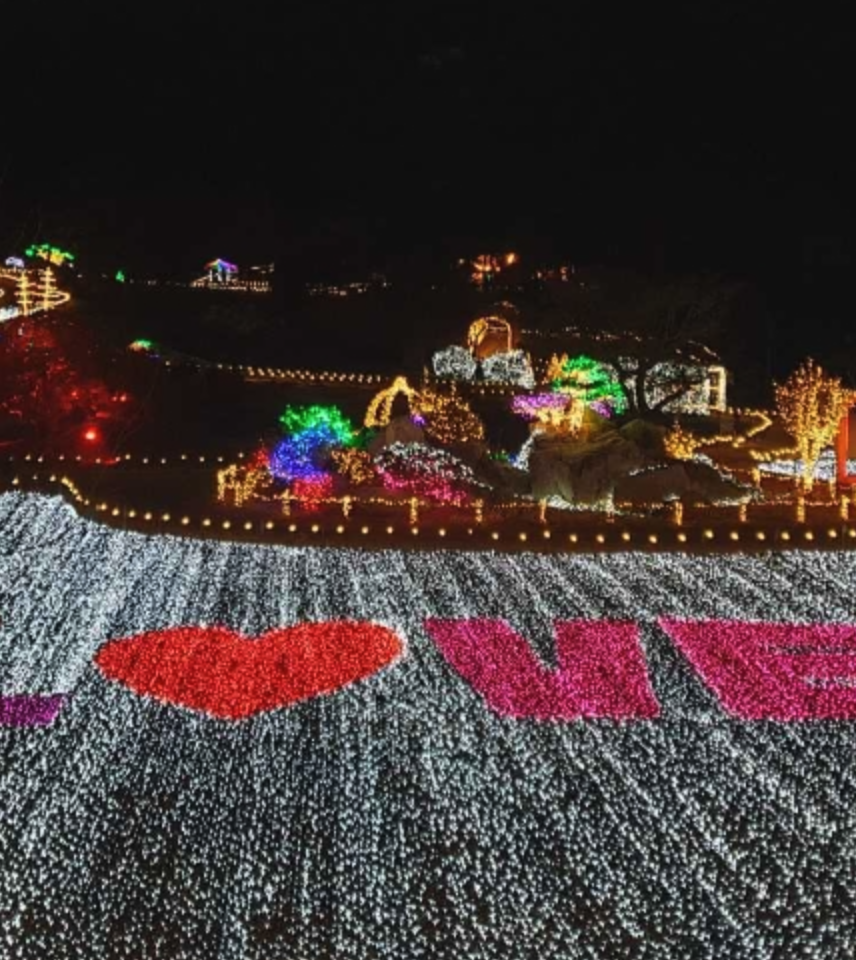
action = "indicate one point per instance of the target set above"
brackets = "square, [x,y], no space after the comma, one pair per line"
[225,750]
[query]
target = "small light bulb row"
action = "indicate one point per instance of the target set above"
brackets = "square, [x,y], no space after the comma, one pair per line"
[558,539]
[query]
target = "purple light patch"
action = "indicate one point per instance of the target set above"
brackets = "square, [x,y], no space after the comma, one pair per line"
[24,710]
[418,419]
[529,405]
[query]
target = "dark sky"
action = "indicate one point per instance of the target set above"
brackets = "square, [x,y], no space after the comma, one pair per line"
[156,136]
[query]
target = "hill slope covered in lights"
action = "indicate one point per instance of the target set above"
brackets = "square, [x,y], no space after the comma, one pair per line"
[403,814]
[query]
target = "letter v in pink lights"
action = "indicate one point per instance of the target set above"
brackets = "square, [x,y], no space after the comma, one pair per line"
[773,671]
[601,669]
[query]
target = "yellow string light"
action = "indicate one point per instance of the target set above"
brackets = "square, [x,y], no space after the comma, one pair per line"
[485,327]
[449,418]
[380,408]
[811,404]
[354,465]
[680,444]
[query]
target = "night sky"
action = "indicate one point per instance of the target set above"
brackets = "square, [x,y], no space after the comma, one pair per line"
[714,135]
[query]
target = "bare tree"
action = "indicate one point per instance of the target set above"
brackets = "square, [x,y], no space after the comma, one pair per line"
[655,334]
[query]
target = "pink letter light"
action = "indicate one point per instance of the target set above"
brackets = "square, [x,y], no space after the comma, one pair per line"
[773,671]
[601,670]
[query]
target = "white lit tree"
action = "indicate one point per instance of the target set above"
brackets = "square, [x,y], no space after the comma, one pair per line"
[513,367]
[454,363]
[652,334]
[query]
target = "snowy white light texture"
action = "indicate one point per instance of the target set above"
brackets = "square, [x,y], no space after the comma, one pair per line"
[455,363]
[399,818]
[824,469]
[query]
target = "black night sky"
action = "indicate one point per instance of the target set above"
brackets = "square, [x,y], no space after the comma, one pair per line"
[710,136]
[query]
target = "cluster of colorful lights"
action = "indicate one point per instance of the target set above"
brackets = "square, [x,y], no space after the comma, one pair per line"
[590,382]
[313,432]
[693,385]
[311,489]
[486,266]
[387,800]
[425,472]
[534,406]
[46,251]
[322,419]
[555,412]
[221,267]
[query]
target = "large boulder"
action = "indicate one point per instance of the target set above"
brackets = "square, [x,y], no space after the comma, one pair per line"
[505,479]
[583,473]
[669,482]
[690,482]
[472,452]
[649,437]
[707,485]
[398,430]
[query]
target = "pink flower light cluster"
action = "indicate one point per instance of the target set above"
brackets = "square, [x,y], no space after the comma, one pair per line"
[601,669]
[773,671]
[530,405]
[424,471]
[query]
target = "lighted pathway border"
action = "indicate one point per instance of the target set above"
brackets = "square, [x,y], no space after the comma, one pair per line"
[579,533]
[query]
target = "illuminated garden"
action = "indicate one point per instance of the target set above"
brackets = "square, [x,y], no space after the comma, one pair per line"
[545,649]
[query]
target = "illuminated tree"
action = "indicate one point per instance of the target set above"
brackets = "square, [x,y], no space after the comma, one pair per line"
[49,395]
[454,363]
[424,471]
[449,419]
[513,367]
[810,405]
[680,444]
[589,381]
[653,335]
[312,432]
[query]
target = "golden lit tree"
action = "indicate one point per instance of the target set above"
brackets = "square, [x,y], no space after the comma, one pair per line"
[810,405]
[680,444]
[448,418]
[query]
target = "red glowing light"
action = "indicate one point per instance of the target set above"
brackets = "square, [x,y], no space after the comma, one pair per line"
[91,434]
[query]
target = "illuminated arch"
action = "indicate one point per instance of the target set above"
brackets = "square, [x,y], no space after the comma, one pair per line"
[485,329]
[380,408]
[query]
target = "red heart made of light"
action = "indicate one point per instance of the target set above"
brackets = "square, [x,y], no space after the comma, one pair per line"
[220,672]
